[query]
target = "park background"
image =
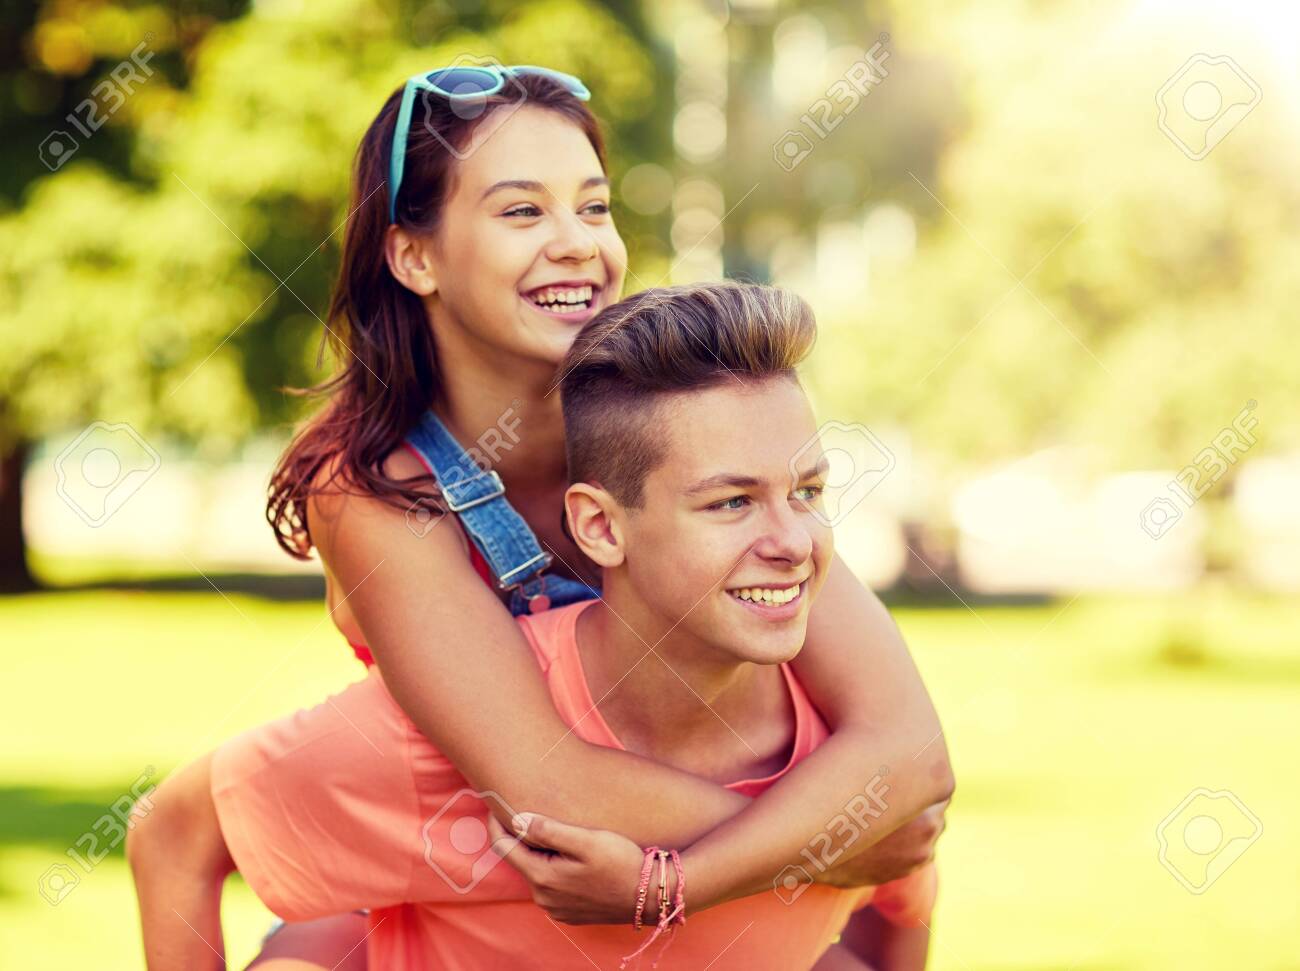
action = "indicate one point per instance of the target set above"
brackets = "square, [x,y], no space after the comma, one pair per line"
[1052,250]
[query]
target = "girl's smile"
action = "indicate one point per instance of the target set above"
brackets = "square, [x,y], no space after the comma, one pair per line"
[574,301]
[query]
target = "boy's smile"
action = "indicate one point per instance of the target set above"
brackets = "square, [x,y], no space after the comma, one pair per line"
[719,568]
[772,603]
[724,556]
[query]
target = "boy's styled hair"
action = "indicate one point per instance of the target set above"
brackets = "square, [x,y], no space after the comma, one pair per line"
[662,341]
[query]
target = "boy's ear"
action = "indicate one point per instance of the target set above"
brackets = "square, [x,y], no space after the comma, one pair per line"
[410,260]
[593,525]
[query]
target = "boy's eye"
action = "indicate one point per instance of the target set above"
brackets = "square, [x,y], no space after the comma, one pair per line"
[527,209]
[734,503]
[808,493]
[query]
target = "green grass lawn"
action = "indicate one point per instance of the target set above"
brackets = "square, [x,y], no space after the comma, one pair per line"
[1074,729]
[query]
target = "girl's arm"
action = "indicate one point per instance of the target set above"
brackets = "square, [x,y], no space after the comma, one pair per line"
[459,666]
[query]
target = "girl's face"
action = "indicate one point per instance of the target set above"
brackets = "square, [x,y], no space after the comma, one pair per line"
[526,251]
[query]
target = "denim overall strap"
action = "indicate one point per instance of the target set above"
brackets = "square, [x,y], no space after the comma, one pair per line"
[478,498]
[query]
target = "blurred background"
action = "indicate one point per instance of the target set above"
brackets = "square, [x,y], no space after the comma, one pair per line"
[1048,247]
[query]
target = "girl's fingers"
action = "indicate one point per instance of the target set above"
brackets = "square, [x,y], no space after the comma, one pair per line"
[550,834]
[508,847]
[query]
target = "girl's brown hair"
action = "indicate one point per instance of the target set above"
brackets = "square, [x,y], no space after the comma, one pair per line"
[378,329]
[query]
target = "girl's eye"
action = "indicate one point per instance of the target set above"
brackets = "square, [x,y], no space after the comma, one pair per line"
[732,504]
[808,493]
[527,210]
[597,209]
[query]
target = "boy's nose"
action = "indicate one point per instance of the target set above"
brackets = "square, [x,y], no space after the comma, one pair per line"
[787,538]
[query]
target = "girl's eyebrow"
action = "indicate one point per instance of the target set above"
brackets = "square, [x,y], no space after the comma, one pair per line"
[529,185]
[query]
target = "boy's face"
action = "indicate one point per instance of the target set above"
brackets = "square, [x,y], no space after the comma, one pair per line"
[724,546]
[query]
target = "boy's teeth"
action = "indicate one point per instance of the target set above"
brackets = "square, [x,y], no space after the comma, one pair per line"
[767,595]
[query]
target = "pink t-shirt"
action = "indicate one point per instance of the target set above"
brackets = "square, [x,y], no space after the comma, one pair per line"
[347,805]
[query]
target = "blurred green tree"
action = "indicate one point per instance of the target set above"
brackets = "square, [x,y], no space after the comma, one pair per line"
[1077,278]
[178,288]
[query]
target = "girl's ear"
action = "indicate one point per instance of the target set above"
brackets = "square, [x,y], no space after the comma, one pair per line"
[590,511]
[410,260]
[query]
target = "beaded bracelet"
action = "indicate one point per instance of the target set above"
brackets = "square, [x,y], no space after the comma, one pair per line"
[663,888]
[679,899]
[644,885]
[667,918]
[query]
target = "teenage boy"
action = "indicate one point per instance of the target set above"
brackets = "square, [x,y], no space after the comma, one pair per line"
[694,489]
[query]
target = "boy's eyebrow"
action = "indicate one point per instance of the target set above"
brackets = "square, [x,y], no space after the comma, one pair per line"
[735,480]
[822,467]
[530,185]
[723,480]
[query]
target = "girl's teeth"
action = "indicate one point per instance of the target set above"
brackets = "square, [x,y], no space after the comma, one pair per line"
[561,300]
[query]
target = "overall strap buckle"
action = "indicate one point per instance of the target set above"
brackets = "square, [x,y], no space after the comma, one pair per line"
[474,491]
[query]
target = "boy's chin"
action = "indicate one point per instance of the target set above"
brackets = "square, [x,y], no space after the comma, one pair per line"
[777,650]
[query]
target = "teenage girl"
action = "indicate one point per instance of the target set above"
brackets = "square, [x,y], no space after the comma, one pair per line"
[479,241]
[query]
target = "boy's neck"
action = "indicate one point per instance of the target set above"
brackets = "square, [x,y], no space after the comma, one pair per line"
[670,698]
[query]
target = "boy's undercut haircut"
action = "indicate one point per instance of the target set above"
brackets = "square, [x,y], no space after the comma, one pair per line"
[632,356]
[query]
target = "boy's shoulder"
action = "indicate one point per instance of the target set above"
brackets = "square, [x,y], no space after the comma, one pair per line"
[552,634]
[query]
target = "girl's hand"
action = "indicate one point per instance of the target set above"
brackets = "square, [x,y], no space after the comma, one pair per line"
[578,876]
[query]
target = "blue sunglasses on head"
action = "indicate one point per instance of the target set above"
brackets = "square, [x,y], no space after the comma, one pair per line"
[468,84]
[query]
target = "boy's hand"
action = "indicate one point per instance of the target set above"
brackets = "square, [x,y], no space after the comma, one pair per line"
[577,875]
[899,854]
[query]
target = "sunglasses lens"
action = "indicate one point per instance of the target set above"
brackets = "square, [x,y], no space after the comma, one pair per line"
[464,81]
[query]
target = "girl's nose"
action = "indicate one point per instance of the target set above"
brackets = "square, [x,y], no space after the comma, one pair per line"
[572,242]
